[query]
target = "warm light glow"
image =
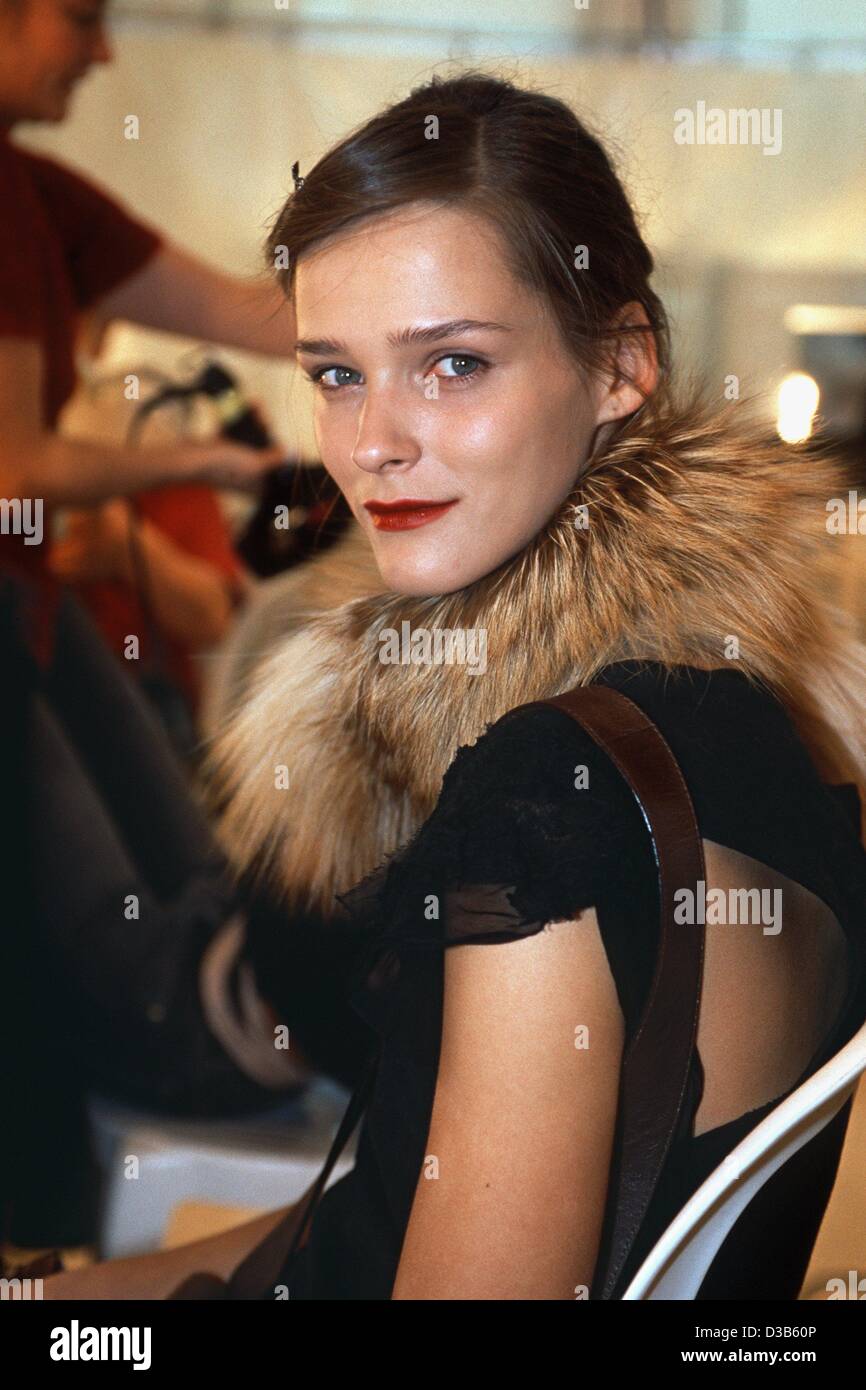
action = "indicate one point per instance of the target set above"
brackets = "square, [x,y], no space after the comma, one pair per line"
[797,401]
[826,318]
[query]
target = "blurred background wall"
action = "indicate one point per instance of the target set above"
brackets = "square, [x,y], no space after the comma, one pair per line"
[228,93]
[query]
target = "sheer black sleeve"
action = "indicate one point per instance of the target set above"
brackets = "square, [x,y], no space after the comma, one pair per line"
[533,825]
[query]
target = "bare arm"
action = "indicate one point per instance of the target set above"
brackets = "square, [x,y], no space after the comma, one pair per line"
[35,462]
[191,598]
[158,1275]
[179,293]
[509,1204]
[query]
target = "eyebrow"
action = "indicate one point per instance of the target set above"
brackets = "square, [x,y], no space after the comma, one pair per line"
[405,337]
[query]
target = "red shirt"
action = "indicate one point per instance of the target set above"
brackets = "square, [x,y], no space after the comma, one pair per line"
[64,242]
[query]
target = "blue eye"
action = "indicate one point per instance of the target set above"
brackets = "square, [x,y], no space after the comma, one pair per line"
[462,358]
[319,377]
[465,367]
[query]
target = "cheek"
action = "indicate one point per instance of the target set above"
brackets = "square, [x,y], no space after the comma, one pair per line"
[479,444]
[464,428]
[513,413]
[515,445]
[335,438]
[518,463]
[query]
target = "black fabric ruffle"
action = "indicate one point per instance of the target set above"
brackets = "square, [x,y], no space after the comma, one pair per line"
[511,846]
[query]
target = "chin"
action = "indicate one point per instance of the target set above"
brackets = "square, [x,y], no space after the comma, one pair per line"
[415,583]
[409,585]
[423,568]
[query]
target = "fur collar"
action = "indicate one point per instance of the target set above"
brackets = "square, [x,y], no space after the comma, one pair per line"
[695,526]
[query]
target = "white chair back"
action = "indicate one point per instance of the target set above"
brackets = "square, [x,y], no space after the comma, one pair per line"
[676,1266]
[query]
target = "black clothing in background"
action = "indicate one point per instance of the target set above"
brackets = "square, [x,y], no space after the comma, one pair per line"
[48,1179]
[97,808]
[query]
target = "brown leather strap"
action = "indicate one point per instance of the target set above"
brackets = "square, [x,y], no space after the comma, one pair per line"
[656,1064]
[256,1275]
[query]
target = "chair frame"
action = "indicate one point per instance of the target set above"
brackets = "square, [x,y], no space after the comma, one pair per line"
[678,1263]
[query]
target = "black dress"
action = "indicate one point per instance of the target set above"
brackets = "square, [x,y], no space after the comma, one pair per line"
[510,848]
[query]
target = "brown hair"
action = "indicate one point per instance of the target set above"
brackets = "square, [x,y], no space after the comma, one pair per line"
[520,158]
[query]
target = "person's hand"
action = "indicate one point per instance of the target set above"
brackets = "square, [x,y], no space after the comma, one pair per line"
[95,546]
[222,463]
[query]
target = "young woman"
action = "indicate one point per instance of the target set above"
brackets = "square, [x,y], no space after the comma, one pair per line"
[493,398]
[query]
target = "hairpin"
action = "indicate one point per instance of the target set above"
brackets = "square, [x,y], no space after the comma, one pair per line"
[299,182]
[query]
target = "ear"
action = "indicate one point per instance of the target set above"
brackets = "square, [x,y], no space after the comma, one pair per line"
[632,371]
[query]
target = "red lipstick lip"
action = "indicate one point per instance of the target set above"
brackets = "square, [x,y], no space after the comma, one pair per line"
[406,504]
[406,514]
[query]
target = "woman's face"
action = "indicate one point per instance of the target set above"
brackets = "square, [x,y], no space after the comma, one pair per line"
[440,380]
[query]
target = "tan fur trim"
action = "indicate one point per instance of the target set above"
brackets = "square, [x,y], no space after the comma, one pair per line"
[277,608]
[702,526]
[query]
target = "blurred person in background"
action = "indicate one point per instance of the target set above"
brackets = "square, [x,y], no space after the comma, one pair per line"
[67,246]
[161,565]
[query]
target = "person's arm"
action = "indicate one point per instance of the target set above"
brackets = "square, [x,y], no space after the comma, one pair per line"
[510,1200]
[190,596]
[179,293]
[38,463]
[157,1275]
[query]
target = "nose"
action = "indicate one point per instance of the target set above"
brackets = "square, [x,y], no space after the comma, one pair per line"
[380,440]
